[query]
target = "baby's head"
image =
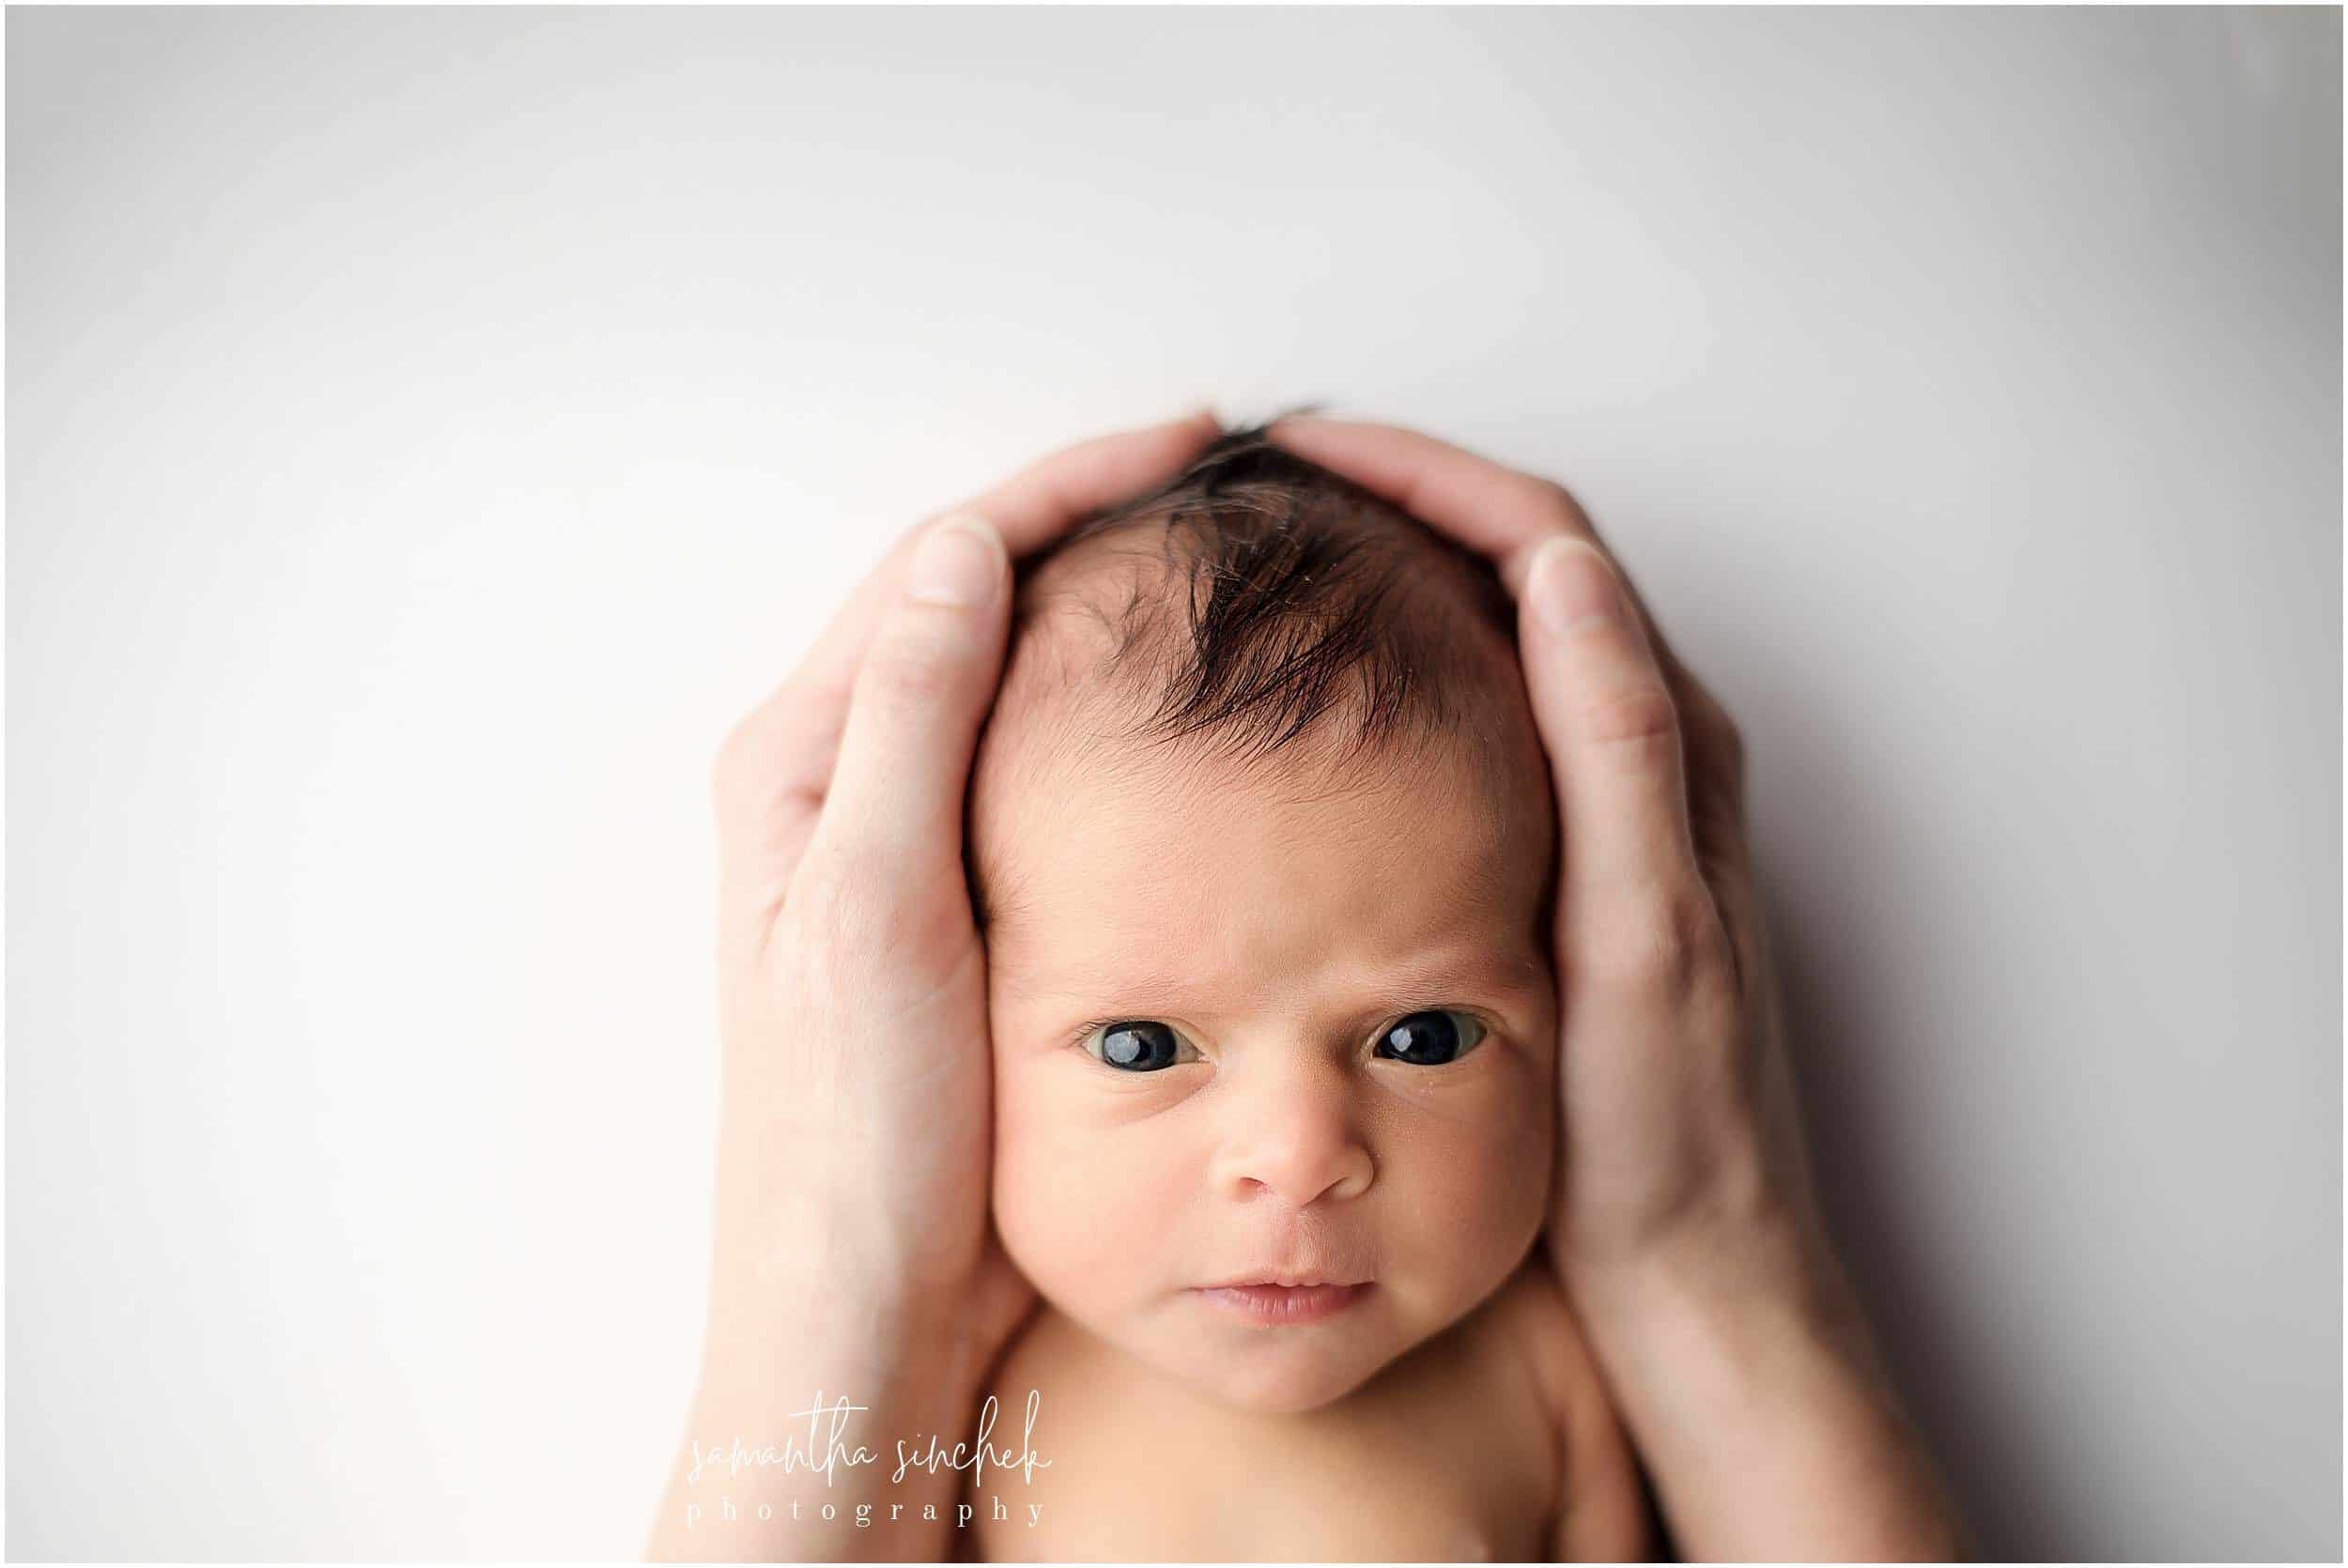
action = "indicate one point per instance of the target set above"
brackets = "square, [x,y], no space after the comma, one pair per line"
[1263,845]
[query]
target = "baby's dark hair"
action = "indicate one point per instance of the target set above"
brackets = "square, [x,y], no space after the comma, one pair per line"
[1261,614]
[1276,600]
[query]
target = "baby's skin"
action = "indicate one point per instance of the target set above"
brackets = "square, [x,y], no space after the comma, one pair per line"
[1287,1022]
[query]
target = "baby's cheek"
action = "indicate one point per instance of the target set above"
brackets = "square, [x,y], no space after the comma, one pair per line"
[1472,1183]
[1080,1200]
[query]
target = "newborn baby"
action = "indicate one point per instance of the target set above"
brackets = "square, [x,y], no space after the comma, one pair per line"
[1262,846]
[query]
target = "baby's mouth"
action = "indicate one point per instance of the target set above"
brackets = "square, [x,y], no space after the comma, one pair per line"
[1271,1304]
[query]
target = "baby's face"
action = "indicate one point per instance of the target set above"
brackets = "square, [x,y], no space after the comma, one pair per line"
[1255,1030]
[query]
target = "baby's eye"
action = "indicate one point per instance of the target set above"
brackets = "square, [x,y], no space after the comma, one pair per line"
[1136,1045]
[1431,1038]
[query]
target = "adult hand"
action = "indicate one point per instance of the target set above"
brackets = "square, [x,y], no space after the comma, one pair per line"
[1682,1225]
[854,1253]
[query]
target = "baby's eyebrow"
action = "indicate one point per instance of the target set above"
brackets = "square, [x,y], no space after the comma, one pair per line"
[1496,976]
[1460,975]
[1076,984]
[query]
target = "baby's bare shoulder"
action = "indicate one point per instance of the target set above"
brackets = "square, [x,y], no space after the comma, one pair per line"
[1605,1516]
[1529,1313]
[1079,1382]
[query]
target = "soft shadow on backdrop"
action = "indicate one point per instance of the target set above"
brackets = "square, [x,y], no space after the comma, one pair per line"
[428,429]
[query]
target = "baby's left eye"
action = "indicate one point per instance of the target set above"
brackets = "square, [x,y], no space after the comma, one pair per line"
[1431,1038]
[1135,1045]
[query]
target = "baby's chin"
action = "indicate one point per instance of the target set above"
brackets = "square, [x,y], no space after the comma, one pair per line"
[1287,1390]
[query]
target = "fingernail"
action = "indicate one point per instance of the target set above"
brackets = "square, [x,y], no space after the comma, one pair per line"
[960,563]
[1569,582]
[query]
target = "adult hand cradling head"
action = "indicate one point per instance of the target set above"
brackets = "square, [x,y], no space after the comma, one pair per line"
[855,1251]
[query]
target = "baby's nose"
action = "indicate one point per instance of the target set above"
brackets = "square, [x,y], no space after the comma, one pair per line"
[1293,1135]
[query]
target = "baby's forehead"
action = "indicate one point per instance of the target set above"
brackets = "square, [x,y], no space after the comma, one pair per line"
[1100,858]
[1165,692]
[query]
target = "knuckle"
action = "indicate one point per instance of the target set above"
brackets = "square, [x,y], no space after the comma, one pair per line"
[860,925]
[1548,496]
[842,910]
[911,668]
[1642,716]
[1668,951]
[1636,952]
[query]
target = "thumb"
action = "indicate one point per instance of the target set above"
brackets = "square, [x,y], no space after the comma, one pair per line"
[1613,732]
[929,676]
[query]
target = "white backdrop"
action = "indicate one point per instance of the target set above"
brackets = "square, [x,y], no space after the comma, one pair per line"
[428,430]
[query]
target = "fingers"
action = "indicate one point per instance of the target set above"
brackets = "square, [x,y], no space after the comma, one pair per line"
[1634,893]
[1499,512]
[929,676]
[1036,506]
[1496,511]
[1649,767]
[773,770]
[1030,510]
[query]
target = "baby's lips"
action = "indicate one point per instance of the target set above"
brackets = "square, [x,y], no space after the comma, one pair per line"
[1274,1304]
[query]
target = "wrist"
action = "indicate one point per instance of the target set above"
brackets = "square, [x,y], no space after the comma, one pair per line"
[852,1370]
[798,1308]
[1739,1265]
[1742,1366]
[1753,1254]
[845,1249]
[770,1360]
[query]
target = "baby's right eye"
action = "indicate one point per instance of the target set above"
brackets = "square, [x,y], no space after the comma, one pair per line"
[1136,1045]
